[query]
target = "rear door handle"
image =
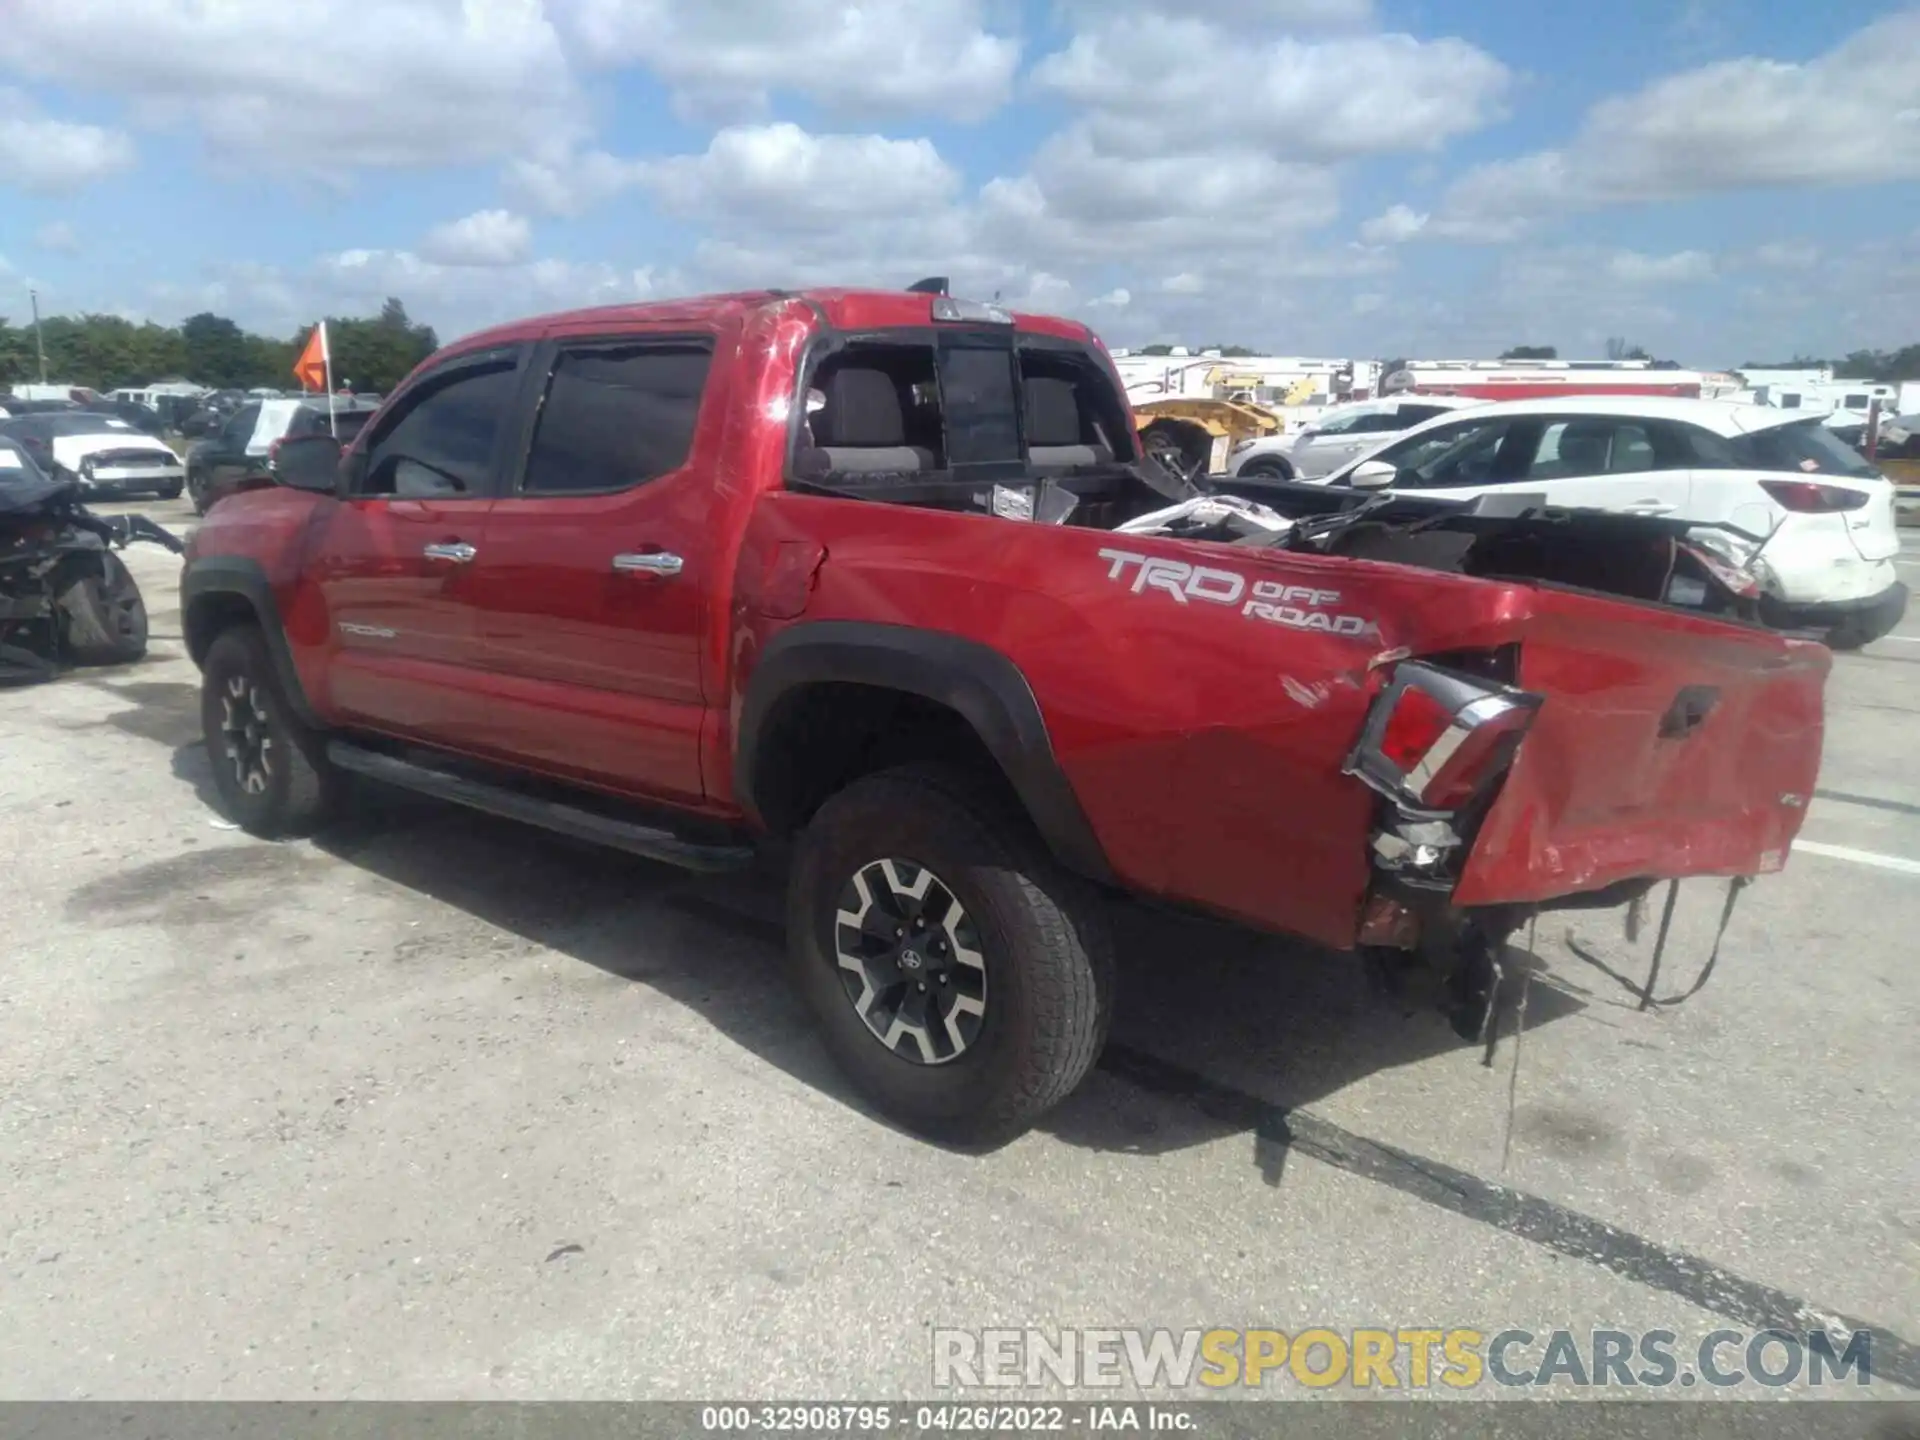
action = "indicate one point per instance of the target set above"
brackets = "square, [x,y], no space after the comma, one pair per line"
[458,552]
[652,562]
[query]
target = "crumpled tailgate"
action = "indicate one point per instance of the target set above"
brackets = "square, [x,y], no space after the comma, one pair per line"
[1667,746]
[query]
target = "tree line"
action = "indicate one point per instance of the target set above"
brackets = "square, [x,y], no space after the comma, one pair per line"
[1882,367]
[108,352]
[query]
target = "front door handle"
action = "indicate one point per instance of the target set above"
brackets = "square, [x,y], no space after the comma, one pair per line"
[458,551]
[1650,507]
[653,562]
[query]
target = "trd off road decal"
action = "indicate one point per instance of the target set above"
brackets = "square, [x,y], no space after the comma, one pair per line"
[1299,607]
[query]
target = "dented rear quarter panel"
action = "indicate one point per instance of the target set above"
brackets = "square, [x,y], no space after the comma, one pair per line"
[1204,737]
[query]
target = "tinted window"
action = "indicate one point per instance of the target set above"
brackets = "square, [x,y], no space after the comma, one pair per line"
[1855,402]
[1789,402]
[1415,414]
[446,430]
[977,394]
[1571,448]
[617,417]
[239,429]
[1378,424]
[1806,446]
[1463,454]
[1706,449]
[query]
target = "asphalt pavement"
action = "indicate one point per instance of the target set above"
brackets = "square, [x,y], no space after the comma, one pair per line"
[438,1107]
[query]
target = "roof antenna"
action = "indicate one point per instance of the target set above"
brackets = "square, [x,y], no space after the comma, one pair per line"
[932,285]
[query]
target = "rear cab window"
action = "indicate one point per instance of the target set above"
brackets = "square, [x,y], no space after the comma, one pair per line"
[961,417]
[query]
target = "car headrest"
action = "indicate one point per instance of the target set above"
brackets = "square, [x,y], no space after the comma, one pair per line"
[863,408]
[1052,411]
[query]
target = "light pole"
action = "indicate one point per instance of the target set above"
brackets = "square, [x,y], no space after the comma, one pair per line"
[39,348]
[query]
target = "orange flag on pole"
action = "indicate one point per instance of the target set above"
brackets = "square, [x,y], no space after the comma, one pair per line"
[314,367]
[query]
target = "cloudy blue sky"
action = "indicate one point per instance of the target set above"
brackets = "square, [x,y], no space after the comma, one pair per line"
[1713,179]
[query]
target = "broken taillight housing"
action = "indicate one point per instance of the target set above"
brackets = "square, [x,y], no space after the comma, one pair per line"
[1434,738]
[1809,497]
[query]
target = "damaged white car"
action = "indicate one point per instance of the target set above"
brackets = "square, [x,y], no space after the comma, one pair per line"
[1806,516]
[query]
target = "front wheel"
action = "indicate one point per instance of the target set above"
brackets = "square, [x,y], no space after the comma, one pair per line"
[168,492]
[270,770]
[960,977]
[103,617]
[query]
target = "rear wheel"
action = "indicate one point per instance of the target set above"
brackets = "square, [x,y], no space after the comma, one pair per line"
[270,770]
[960,977]
[169,492]
[1266,467]
[103,617]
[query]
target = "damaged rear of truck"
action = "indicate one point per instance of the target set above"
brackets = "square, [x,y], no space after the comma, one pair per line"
[1381,724]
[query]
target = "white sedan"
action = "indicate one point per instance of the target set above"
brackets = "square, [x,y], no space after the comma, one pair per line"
[107,456]
[1821,518]
[1337,436]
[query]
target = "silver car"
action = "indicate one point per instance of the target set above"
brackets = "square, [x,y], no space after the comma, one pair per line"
[1340,435]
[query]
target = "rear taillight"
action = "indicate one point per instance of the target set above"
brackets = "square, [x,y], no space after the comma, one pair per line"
[1434,738]
[1810,497]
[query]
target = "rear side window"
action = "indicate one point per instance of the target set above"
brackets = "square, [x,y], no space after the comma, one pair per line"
[1805,447]
[617,416]
[442,440]
[1411,415]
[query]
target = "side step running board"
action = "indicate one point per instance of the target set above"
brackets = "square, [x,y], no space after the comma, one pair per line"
[635,839]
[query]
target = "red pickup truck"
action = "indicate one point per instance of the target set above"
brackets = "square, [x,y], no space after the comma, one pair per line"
[888,576]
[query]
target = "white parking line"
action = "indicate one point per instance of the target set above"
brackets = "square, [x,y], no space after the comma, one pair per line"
[1903,639]
[1859,857]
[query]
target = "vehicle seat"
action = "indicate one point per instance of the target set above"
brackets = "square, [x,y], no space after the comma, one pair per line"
[1583,449]
[1055,437]
[862,427]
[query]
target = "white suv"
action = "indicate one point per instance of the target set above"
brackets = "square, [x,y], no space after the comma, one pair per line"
[1343,433]
[1819,517]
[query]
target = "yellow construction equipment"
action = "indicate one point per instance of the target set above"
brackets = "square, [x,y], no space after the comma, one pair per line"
[1194,437]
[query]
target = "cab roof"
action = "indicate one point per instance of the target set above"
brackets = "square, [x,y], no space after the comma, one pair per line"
[841,309]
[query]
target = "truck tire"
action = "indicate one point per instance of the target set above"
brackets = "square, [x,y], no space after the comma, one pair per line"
[103,617]
[270,770]
[995,1012]
[197,491]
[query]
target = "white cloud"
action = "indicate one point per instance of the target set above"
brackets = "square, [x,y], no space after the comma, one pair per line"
[1630,267]
[1398,223]
[486,237]
[456,299]
[1115,299]
[1368,301]
[787,178]
[57,236]
[322,87]
[1787,255]
[728,60]
[52,156]
[1185,283]
[1313,99]
[1848,117]
[567,182]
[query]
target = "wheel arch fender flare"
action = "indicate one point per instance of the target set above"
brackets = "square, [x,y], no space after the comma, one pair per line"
[213,590]
[978,683]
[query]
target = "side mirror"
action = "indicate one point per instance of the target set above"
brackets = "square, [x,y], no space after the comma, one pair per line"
[1373,475]
[308,462]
